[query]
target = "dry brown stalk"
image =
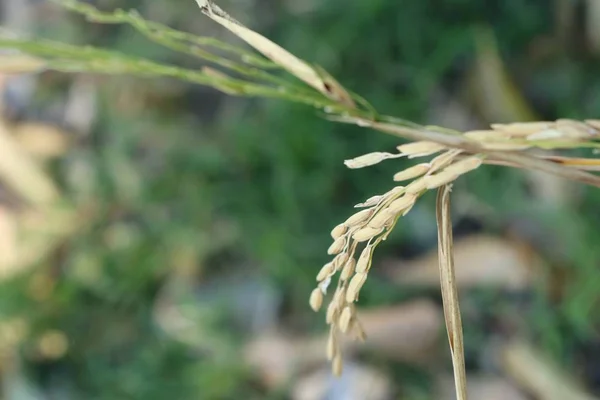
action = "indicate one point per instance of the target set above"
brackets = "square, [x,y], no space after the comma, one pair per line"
[450,291]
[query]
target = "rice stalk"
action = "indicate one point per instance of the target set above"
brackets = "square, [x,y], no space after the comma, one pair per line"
[354,240]
[450,291]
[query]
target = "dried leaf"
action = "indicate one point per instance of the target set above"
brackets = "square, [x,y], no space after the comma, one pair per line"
[277,54]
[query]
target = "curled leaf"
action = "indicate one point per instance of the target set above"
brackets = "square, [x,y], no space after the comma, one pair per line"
[318,79]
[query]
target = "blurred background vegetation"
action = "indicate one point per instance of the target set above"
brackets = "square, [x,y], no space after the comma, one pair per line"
[194,223]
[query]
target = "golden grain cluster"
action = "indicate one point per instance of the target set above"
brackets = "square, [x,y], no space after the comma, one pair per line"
[355,239]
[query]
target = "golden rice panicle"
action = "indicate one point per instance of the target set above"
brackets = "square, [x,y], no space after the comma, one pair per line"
[355,239]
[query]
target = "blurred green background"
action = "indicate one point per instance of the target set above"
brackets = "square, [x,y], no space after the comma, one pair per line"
[203,218]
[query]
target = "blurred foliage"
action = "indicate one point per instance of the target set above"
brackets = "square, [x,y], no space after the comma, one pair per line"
[190,186]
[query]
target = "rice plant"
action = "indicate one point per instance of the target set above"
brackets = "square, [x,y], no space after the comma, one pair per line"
[441,155]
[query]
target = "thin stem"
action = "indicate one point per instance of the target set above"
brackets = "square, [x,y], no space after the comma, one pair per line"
[450,291]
